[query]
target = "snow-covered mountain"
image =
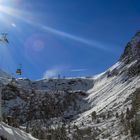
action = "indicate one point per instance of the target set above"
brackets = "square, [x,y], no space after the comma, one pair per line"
[105,106]
[11,133]
[4,77]
[4,74]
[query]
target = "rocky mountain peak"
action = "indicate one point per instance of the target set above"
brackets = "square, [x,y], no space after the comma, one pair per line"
[132,50]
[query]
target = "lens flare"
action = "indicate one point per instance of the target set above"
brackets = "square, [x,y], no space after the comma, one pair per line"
[26,17]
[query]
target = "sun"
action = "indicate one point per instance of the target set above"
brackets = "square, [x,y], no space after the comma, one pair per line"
[1,2]
[6,12]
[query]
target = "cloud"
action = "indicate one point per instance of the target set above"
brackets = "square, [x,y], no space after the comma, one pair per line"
[57,70]
[13,25]
[78,70]
[54,72]
[51,73]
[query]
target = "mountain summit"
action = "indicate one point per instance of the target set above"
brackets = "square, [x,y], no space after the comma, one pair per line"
[132,50]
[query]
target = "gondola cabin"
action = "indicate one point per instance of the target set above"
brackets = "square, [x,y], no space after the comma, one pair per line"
[18,72]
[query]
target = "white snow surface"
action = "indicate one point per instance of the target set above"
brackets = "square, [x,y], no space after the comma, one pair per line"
[4,77]
[12,133]
[4,74]
[105,93]
[109,94]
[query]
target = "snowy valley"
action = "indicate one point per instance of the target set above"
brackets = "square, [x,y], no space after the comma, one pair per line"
[105,106]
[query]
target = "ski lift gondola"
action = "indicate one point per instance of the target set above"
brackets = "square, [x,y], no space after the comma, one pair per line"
[19,70]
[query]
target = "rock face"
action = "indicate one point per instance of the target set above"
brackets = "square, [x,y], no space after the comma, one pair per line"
[91,108]
[132,50]
[45,99]
[132,54]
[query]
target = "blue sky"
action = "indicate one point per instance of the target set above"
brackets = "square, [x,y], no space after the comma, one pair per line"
[66,37]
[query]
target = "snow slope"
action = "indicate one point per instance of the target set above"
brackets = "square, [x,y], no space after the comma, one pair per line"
[107,93]
[112,93]
[4,74]
[13,133]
